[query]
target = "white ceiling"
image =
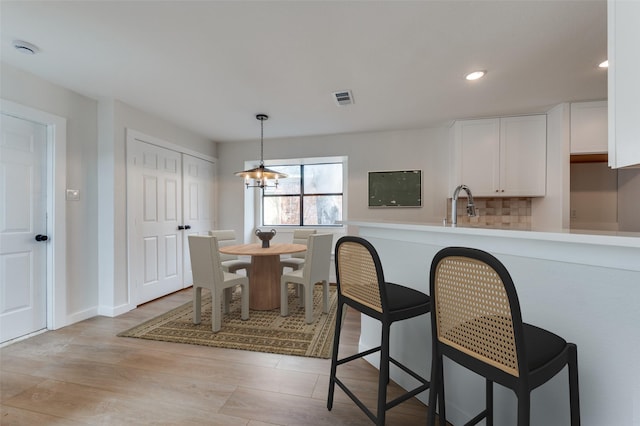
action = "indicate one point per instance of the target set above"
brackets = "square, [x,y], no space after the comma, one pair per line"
[210,66]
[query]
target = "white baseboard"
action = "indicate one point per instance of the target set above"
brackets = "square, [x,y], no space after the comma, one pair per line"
[81,316]
[114,311]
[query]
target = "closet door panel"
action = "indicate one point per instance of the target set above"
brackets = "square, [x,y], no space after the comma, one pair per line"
[156,243]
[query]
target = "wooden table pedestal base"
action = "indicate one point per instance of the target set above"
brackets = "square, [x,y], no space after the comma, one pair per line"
[265,295]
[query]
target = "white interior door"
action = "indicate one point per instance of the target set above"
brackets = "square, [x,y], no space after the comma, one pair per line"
[198,179]
[23,190]
[156,242]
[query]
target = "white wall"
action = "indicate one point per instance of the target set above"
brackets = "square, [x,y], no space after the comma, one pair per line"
[96,227]
[629,200]
[551,212]
[118,117]
[594,196]
[96,224]
[424,149]
[81,219]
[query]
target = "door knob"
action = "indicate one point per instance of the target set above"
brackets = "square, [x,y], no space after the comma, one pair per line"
[187,227]
[180,227]
[41,237]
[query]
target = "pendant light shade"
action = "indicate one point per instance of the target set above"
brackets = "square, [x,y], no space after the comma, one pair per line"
[260,175]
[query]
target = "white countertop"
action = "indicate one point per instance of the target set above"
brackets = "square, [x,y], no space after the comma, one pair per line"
[615,238]
[609,250]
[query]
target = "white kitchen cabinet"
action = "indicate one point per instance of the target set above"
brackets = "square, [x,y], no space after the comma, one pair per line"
[623,31]
[589,128]
[501,157]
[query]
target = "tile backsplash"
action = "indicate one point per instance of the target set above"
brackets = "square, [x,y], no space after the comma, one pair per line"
[506,213]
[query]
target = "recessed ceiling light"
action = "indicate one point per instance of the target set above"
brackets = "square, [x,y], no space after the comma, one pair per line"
[604,64]
[25,47]
[475,75]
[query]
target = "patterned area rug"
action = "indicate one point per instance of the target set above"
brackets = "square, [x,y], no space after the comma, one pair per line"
[264,331]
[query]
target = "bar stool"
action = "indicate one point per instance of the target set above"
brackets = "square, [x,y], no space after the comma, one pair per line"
[361,285]
[476,322]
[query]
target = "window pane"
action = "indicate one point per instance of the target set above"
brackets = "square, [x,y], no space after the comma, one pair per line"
[281,210]
[323,178]
[322,210]
[289,185]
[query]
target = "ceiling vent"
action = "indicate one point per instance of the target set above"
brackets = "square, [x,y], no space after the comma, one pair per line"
[343,97]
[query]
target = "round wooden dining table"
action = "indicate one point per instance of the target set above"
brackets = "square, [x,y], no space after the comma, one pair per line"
[264,279]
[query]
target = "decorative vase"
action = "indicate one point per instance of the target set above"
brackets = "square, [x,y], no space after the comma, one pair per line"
[265,236]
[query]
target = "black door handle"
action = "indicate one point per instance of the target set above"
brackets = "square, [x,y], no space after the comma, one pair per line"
[187,227]
[180,227]
[41,237]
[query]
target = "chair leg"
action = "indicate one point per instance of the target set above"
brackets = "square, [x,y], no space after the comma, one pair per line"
[489,402]
[244,309]
[433,392]
[197,298]
[334,355]
[284,299]
[307,291]
[325,296]
[574,397]
[228,295]
[300,294]
[524,407]
[383,379]
[216,308]
[441,404]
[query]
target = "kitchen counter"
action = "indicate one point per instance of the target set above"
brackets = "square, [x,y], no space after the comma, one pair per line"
[583,286]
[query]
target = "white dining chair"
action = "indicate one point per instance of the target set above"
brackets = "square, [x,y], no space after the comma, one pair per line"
[208,273]
[296,260]
[316,270]
[230,262]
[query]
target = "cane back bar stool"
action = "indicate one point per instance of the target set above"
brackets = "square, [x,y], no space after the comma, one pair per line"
[361,285]
[476,322]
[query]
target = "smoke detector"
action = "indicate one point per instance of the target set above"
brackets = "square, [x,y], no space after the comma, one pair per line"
[25,47]
[343,97]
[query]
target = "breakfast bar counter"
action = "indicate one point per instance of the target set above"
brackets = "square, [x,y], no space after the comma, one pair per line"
[583,287]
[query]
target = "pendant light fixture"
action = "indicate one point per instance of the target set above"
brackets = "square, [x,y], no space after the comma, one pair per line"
[260,175]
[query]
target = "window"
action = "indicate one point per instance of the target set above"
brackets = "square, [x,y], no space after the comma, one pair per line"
[311,196]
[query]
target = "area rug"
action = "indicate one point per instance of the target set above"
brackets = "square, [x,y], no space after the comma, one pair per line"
[264,331]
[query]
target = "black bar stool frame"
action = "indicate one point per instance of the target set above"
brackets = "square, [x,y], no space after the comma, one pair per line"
[476,322]
[361,285]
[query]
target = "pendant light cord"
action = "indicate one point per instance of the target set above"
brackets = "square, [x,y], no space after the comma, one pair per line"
[261,142]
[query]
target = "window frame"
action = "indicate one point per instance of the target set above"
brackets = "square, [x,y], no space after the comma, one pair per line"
[301,195]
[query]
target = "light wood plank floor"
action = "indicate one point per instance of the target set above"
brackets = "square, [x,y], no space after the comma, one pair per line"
[85,375]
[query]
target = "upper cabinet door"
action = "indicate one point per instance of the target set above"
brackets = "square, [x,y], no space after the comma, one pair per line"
[589,128]
[501,157]
[523,156]
[478,155]
[623,17]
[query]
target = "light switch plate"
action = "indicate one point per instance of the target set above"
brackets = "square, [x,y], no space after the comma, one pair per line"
[73,194]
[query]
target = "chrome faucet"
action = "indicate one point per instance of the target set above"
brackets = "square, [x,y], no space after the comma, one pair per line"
[471,208]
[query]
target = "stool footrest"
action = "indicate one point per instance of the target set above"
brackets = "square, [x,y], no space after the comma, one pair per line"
[477,418]
[355,399]
[358,355]
[410,394]
[388,405]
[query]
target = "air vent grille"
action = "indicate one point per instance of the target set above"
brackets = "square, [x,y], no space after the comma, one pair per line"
[343,97]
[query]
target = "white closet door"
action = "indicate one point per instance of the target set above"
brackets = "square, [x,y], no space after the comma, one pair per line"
[155,197]
[23,260]
[198,207]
